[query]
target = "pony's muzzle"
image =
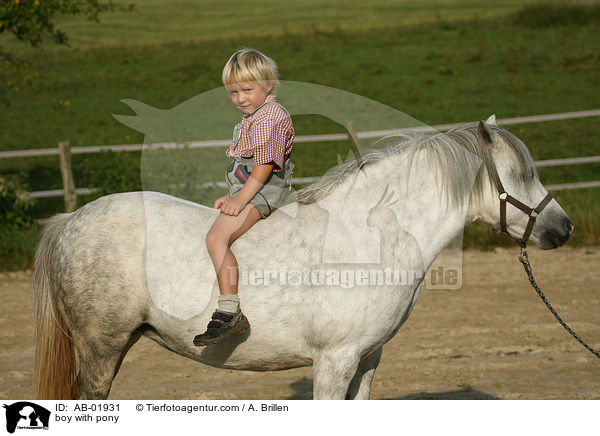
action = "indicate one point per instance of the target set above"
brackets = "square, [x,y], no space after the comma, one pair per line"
[555,236]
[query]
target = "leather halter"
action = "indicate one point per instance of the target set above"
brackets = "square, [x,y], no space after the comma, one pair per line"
[532,212]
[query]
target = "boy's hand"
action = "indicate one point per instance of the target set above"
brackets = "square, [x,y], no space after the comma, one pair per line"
[220,201]
[232,206]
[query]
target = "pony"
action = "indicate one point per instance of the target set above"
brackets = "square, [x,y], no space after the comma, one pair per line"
[326,281]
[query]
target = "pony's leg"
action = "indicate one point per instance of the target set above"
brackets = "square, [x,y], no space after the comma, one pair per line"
[333,372]
[360,387]
[99,362]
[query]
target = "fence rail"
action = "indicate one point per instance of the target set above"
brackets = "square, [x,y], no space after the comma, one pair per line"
[302,180]
[321,138]
[298,139]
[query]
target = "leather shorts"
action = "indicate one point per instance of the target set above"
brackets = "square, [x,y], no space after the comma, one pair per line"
[271,194]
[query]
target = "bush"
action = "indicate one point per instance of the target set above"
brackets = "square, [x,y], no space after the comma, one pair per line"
[17,246]
[111,171]
[14,200]
[556,14]
[18,234]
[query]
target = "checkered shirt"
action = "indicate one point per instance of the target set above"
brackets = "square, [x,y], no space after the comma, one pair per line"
[267,134]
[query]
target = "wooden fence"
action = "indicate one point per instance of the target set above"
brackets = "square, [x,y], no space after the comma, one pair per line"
[70,192]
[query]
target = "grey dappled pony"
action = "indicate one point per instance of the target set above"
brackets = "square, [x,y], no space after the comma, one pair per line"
[135,264]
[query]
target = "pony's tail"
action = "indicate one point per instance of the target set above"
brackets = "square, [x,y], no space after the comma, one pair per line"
[55,372]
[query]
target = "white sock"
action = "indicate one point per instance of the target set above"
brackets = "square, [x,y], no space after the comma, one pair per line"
[229,303]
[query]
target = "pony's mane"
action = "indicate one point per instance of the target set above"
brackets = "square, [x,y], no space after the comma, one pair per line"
[451,154]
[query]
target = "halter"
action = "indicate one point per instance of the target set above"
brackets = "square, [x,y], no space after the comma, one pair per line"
[523,256]
[532,212]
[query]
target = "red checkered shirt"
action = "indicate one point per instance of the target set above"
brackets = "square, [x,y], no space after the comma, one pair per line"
[267,134]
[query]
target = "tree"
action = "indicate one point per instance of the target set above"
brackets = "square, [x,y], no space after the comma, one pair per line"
[31,21]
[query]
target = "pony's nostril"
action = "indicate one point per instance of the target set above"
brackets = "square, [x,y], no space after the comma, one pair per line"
[568,225]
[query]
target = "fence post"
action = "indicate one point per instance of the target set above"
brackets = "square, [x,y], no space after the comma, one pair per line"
[67,176]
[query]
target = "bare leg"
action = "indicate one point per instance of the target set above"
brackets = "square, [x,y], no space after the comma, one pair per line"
[224,231]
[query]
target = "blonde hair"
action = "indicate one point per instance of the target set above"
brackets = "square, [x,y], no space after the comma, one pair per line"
[249,65]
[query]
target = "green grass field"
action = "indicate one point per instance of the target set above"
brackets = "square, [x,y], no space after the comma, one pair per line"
[159,22]
[447,61]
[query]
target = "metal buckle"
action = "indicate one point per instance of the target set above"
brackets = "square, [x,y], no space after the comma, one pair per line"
[237,134]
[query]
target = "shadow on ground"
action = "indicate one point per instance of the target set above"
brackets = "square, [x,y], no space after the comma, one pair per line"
[463,394]
[303,391]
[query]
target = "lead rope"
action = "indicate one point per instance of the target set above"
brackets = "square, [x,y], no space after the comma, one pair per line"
[524,259]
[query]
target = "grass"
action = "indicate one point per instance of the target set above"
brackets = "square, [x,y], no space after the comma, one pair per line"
[455,61]
[160,22]
[436,75]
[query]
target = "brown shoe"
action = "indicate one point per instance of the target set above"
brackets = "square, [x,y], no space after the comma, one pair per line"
[222,326]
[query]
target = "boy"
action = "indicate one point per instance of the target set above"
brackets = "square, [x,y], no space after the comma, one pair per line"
[256,178]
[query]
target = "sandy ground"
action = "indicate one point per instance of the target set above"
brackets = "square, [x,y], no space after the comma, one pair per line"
[492,339]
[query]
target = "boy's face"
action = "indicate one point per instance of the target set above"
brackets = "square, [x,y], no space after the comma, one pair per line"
[247,96]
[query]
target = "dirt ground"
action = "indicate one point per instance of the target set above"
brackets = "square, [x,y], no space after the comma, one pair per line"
[492,339]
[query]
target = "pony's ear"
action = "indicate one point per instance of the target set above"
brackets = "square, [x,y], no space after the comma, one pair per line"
[492,120]
[487,135]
